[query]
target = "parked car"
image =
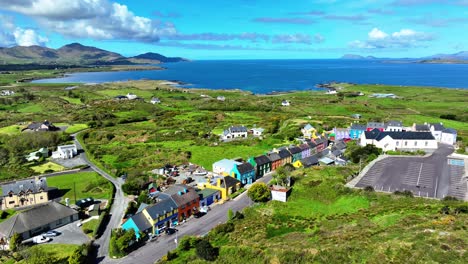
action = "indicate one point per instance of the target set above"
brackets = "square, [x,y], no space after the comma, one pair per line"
[51,233]
[171,231]
[199,214]
[152,238]
[41,239]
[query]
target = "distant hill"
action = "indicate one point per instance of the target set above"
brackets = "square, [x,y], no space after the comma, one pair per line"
[459,57]
[357,57]
[76,54]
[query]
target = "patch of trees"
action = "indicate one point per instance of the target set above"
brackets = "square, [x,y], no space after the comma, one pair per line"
[356,153]
[121,241]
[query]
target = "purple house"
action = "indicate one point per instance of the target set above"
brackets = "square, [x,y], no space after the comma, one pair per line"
[341,133]
[305,150]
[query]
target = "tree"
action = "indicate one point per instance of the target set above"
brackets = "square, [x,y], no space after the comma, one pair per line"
[15,241]
[281,175]
[259,192]
[123,242]
[143,198]
[36,255]
[80,255]
[206,251]
[230,214]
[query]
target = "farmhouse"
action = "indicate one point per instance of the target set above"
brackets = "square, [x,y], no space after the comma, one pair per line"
[38,126]
[25,193]
[155,100]
[285,103]
[235,132]
[37,220]
[221,98]
[131,96]
[65,152]
[408,141]
[449,136]
[6,92]
[257,131]
[308,131]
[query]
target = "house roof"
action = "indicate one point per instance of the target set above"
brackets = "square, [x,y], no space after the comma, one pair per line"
[437,126]
[35,217]
[181,194]
[304,146]
[309,161]
[237,129]
[394,123]
[65,147]
[229,181]
[283,153]
[161,208]
[340,129]
[375,125]
[295,150]
[226,163]
[262,159]
[245,168]
[340,144]
[140,221]
[356,126]
[33,185]
[207,192]
[422,127]
[336,152]
[326,160]
[308,127]
[320,140]
[409,135]
[259,129]
[141,207]
[273,156]
[311,144]
[449,131]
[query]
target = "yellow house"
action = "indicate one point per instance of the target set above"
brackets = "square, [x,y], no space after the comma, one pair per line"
[297,164]
[309,131]
[25,193]
[225,184]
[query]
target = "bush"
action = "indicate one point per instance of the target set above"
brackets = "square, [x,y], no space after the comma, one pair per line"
[461,209]
[223,228]
[206,251]
[188,242]
[404,193]
[369,189]
[15,241]
[259,192]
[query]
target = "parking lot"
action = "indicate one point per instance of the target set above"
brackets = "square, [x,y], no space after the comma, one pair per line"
[70,234]
[435,176]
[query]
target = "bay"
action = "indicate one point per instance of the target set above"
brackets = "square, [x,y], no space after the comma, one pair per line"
[265,76]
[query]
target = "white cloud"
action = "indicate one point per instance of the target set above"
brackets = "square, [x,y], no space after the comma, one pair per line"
[28,37]
[405,38]
[95,19]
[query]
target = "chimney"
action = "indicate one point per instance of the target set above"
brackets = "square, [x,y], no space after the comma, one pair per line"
[37,179]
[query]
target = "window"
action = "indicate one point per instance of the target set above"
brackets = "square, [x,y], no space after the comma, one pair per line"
[41,198]
[11,202]
[397,143]
[426,143]
[415,143]
[406,143]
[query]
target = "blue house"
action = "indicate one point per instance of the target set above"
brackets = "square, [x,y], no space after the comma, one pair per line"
[208,196]
[356,130]
[245,173]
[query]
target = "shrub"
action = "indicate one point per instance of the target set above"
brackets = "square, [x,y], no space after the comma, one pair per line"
[15,241]
[259,192]
[188,242]
[461,209]
[369,189]
[404,193]
[206,251]
[224,228]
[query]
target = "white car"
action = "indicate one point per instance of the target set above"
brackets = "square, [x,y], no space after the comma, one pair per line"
[41,239]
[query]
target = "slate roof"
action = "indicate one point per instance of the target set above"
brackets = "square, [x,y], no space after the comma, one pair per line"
[207,192]
[25,185]
[304,146]
[35,217]
[229,182]
[449,131]
[319,141]
[283,153]
[161,208]
[140,221]
[409,135]
[336,152]
[235,129]
[245,168]
[295,150]
[273,156]
[394,123]
[226,163]
[375,125]
[262,159]
[437,126]
[356,126]
[181,199]
[309,161]
[339,145]
[421,127]
[308,127]
[326,160]
[311,144]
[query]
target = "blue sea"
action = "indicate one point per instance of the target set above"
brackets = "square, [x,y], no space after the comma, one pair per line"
[265,76]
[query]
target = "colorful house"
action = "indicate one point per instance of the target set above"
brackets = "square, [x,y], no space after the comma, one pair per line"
[322,143]
[285,156]
[310,161]
[262,165]
[341,133]
[308,131]
[356,130]
[186,199]
[297,164]
[375,125]
[225,184]
[305,150]
[275,160]
[312,146]
[224,166]
[296,153]
[208,196]
[245,173]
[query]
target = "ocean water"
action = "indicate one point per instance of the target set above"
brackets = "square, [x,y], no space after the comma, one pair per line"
[265,76]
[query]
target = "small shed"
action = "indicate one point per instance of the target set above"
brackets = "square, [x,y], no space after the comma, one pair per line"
[280,193]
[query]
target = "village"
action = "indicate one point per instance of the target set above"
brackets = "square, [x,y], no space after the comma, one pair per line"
[191,191]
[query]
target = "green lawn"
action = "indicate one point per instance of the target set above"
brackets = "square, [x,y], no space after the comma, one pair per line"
[88,184]
[90,226]
[72,100]
[47,166]
[31,108]
[75,128]
[5,214]
[13,129]
[59,252]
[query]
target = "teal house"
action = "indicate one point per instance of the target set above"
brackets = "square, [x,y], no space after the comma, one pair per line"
[262,165]
[296,153]
[245,173]
[356,131]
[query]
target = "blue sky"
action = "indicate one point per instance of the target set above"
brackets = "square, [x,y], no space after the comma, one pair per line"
[241,29]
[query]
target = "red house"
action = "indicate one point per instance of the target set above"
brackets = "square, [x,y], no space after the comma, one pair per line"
[275,160]
[186,198]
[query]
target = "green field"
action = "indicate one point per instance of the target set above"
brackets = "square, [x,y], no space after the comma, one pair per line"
[58,252]
[48,166]
[75,128]
[11,130]
[88,184]
[325,222]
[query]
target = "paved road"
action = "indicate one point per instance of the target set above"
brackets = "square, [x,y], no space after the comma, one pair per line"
[424,176]
[153,251]
[118,208]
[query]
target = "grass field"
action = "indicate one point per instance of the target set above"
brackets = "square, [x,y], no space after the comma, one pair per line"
[11,130]
[53,167]
[88,184]
[59,252]
[5,214]
[75,128]
[90,226]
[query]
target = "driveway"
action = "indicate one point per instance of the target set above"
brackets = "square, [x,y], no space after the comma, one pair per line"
[424,176]
[154,251]
[70,234]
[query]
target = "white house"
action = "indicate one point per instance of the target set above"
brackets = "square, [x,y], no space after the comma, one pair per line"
[285,103]
[221,98]
[42,152]
[6,92]
[257,131]
[279,193]
[131,96]
[65,152]
[235,132]
[331,92]
[224,166]
[308,131]
[155,100]
[449,136]
[407,141]
[393,126]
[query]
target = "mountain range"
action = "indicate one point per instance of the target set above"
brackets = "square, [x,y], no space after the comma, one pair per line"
[76,54]
[461,56]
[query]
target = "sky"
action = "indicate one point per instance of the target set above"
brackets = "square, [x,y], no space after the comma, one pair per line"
[241,29]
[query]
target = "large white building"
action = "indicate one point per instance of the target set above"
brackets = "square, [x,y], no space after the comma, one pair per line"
[65,152]
[235,132]
[407,141]
[224,166]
